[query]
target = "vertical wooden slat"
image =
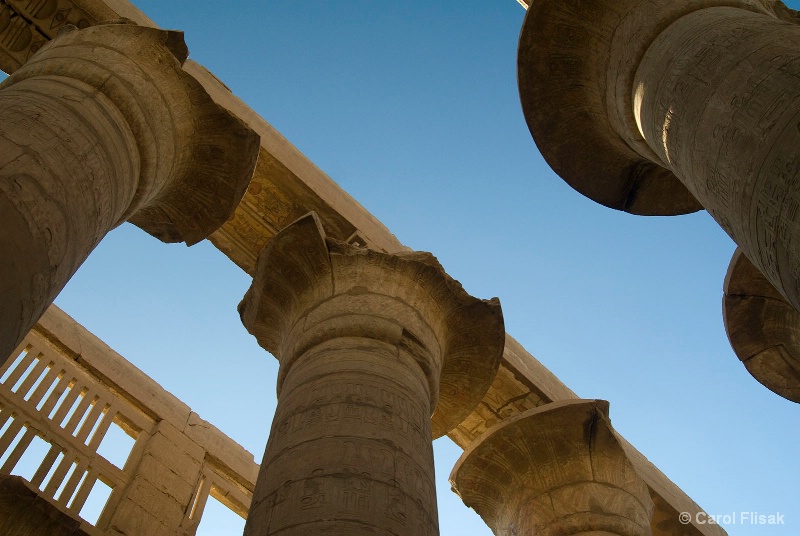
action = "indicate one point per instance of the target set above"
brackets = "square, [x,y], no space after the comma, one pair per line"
[83,491]
[45,466]
[98,435]
[41,364]
[11,433]
[23,347]
[80,411]
[91,420]
[55,395]
[6,413]
[19,449]
[72,483]
[58,475]
[67,403]
[19,369]
[48,380]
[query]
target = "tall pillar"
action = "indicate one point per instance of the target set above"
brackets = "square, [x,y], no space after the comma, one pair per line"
[763,328]
[101,126]
[370,346]
[665,107]
[555,470]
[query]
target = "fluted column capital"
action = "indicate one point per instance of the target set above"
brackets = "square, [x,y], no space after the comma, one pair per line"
[763,328]
[558,469]
[196,158]
[309,289]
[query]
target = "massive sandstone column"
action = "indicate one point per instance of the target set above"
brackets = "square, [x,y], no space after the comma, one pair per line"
[555,470]
[102,126]
[664,107]
[368,343]
[764,329]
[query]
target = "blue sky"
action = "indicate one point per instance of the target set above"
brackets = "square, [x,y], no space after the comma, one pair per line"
[412,108]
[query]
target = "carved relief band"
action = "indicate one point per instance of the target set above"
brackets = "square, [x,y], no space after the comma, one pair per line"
[672,107]
[556,470]
[378,354]
[101,126]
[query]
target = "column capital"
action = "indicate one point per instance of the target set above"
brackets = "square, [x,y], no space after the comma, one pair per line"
[554,470]
[763,328]
[308,289]
[576,68]
[196,158]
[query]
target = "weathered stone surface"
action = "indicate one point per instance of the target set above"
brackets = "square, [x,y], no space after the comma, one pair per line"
[24,513]
[289,185]
[368,343]
[163,486]
[764,329]
[25,25]
[674,106]
[222,447]
[134,518]
[556,469]
[101,126]
[176,462]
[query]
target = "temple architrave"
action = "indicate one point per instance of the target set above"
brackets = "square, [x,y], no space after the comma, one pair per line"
[665,108]
[104,120]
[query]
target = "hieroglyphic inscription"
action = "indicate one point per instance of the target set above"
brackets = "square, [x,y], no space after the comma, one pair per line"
[18,39]
[354,403]
[354,477]
[26,25]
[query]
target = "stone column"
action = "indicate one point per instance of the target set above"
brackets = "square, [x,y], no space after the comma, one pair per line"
[555,470]
[665,107]
[370,345]
[102,126]
[763,328]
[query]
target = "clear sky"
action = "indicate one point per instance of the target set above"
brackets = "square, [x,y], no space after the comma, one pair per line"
[412,108]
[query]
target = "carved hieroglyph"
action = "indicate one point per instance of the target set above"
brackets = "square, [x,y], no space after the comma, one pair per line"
[555,470]
[368,344]
[102,126]
[764,329]
[665,107]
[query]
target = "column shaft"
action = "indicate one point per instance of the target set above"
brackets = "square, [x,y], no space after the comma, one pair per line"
[369,343]
[715,96]
[101,126]
[350,447]
[69,169]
